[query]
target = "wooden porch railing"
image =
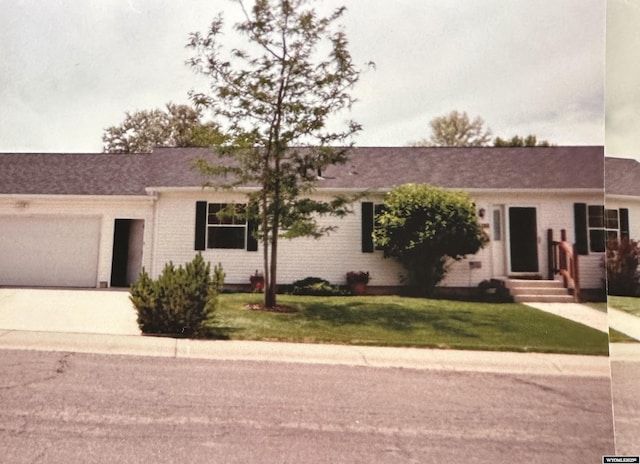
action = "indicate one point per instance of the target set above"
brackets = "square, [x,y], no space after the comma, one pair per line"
[563,260]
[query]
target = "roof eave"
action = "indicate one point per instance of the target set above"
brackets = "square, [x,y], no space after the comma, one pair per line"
[579,190]
[619,196]
[79,197]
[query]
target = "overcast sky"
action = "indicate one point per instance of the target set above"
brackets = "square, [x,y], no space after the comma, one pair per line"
[71,68]
[623,79]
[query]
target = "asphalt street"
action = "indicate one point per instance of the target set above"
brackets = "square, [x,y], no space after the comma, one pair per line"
[59,407]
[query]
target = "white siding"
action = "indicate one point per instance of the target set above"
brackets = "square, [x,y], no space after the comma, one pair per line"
[332,256]
[592,272]
[170,230]
[329,257]
[553,211]
[175,236]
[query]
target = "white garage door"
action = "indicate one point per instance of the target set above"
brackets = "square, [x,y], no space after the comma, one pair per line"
[49,251]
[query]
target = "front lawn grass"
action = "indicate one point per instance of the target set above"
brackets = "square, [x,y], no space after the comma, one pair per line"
[619,337]
[629,304]
[410,322]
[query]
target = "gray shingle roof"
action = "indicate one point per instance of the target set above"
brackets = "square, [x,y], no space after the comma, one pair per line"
[95,174]
[475,168]
[622,176]
[368,168]
[38,173]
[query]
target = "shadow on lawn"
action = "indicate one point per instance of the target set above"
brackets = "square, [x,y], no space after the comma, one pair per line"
[461,322]
[214,332]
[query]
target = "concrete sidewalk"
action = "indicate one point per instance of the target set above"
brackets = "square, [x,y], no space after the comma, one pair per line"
[624,322]
[627,352]
[410,358]
[576,312]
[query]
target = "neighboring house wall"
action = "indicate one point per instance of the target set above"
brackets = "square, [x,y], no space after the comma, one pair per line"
[619,203]
[62,216]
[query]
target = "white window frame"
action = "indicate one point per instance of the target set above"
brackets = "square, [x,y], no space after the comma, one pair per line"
[216,221]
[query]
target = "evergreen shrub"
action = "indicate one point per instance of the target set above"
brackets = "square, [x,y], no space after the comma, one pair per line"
[181,301]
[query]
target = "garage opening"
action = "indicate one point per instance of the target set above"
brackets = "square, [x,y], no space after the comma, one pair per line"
[127,251]
[49,250]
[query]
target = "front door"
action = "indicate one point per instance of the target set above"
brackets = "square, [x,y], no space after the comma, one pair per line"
[523,240]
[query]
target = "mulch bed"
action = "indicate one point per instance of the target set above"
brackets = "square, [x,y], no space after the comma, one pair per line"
[275,309]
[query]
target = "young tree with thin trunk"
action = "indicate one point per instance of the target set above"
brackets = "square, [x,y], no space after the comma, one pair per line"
[274,100]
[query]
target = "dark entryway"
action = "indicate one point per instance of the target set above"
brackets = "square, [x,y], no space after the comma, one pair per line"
[127,251]
[523,238]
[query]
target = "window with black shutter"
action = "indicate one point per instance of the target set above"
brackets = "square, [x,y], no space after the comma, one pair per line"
[224,226]
[595,225]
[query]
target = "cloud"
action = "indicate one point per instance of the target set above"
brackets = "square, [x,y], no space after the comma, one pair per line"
[623,75]
[73,67]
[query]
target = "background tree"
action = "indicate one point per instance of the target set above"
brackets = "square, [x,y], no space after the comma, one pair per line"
[426,227]
[272,98]
[176,126]
[517,141]
[456,129]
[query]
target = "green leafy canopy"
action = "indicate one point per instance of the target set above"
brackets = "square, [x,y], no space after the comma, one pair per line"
[423,227]
[274,100]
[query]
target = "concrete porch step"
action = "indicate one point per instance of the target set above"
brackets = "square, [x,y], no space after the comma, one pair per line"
[521,283]
[542,291]
[538,291]
[537,298]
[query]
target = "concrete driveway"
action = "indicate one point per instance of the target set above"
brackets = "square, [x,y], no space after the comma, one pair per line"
[69,311]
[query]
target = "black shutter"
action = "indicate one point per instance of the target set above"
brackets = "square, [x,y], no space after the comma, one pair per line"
[201,225]
[367,227]
[580,225]
[624,223]
[252,228]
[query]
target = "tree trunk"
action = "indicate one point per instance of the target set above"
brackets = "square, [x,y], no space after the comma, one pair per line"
[270,293]
[265,236]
